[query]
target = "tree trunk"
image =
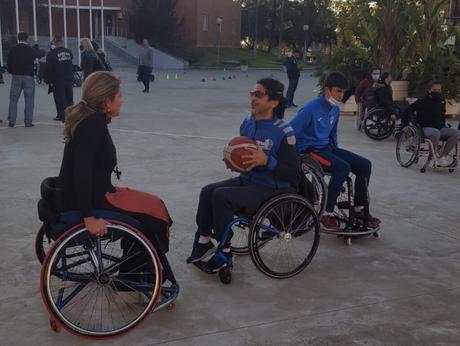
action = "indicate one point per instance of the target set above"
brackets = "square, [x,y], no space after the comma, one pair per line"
[256,31]
[280,39]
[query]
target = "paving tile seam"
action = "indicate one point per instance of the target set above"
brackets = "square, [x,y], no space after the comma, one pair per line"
[300,318]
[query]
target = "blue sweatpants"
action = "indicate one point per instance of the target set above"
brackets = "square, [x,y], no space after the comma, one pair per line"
[342,162]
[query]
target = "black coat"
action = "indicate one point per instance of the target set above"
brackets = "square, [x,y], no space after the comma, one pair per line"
[292,68]
[21,60]
[429,113]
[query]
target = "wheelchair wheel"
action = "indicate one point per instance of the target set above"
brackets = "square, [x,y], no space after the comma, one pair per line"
[42,244]
[101,287]
[240,238]
[408,146]
[290,238]
[377,125]
[319,186]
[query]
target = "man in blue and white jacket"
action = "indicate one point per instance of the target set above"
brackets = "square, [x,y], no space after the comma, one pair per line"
[315,127]
[272,169]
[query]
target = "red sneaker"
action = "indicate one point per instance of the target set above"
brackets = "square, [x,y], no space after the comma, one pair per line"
[372,221]
[329,223]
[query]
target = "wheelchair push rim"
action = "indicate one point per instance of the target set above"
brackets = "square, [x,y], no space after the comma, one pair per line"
[42,244]
[88,288]
[290,237]
[408,147]
[377,126]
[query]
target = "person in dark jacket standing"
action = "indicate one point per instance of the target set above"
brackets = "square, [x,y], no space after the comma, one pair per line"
[20,64]
[430,116]
[89,60]
[145,65]
[59,75]
[293,73]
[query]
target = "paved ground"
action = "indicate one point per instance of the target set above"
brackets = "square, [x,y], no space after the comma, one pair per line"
[402,289]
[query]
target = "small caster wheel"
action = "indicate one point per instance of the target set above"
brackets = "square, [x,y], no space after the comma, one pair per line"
[376,235]
[225,275]
[55,327]
[348,241]
[171,306]
[416,160]
[422,170]
[451,170]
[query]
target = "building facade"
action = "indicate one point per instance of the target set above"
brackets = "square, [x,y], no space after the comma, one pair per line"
[206,22]
[209,22]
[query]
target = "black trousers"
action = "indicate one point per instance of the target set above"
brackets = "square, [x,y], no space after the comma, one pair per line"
[144,73]
[219,202]
[293,82]
[63,98]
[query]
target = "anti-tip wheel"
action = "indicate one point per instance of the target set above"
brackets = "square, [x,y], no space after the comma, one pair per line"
[422,170]
[348,241]
[171,306]
[451,170]
[376,234]
[225,275]
[55,327]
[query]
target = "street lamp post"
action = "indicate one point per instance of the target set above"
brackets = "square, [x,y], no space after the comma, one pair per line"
[219,21]
[305,30]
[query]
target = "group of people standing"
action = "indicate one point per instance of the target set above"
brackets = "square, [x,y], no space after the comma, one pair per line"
[59,74]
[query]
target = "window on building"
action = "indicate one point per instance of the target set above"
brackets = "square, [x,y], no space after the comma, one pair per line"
[205,22]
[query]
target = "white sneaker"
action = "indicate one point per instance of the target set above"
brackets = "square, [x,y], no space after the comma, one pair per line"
[442,161]
[431,164]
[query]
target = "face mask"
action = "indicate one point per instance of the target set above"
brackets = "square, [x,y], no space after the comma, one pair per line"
[333,102]
[53,46]
[436,96]
[375,77]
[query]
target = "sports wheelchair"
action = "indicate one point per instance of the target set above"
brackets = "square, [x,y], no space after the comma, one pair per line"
[349,227]
[412,145]
[98,287]
[377,124]
[281,237]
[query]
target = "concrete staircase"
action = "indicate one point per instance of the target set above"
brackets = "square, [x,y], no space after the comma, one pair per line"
[116,59]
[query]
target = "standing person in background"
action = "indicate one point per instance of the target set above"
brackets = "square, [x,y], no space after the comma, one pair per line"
[89,60]
[145,64]
[59,75]
[293,73]
[20,64]
[101,55]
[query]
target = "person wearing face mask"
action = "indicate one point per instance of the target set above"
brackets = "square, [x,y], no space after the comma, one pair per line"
[365,91]
[315,127]
[384,96]
[430,116]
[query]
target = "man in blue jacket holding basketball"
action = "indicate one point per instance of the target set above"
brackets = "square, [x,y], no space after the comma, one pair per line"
[315,127]
[270,169]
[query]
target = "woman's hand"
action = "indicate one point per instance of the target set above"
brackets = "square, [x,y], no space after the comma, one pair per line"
[257,157]
[97,227]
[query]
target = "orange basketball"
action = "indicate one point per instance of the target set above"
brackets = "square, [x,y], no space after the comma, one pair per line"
[234,151]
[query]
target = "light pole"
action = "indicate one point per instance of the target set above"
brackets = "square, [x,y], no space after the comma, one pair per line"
[305,30]
[219,21]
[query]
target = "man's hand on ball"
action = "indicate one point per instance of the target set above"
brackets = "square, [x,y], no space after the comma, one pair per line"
[257,157]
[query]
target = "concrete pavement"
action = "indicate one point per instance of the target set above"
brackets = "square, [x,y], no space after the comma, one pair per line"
[400,289]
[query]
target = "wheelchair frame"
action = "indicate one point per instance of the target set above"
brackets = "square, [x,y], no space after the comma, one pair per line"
[418,151]
[344,209]
[262,231]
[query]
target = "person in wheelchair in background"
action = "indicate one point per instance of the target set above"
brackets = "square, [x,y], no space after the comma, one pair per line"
[272,169]
[430,116]
[384,97]
[89,160]
[365,91]
[315,127]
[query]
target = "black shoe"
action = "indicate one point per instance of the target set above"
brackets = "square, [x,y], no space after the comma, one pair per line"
[10,124]
[201,251]
[145,91]
[294,105]
[29,125]
[58,119]
[219,260]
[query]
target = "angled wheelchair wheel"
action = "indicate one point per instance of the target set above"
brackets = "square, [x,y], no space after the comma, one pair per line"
[289,228]
[377,125]
[101,287]
[239,241]
[408,146]
[319,188]
[42,244]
